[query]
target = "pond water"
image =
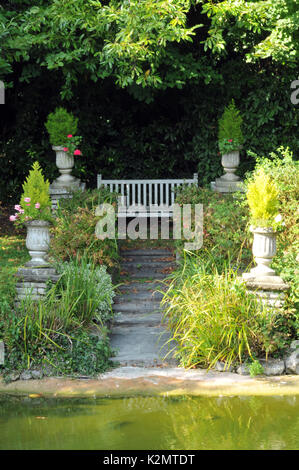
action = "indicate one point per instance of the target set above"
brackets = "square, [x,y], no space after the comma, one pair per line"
[148,423]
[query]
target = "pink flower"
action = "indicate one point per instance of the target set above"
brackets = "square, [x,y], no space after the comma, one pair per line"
[21,211]
[17,207]
[26,217]
[28,204]
[27,199]
[77,152]
[230,140]
[37,205]
[69,136]
[12,218]
[65,149]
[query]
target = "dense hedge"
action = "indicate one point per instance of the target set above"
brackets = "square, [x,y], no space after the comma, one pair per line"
[123,137]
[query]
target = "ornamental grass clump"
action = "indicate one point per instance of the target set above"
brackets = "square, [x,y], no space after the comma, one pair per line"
[212,317]
[51,330]
[230,136]
[35,203]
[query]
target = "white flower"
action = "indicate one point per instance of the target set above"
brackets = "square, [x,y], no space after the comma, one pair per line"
[278,218]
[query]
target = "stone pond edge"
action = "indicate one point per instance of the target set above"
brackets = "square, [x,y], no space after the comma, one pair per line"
[132,381]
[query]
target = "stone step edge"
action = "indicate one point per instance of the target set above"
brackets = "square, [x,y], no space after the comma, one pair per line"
[147,252]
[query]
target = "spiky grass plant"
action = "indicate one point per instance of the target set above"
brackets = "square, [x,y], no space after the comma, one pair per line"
[212,317]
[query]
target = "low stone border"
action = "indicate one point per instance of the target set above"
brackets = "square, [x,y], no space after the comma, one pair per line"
[273,367]
[287,365]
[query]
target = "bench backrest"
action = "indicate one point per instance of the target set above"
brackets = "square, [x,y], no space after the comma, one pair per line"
[147,192]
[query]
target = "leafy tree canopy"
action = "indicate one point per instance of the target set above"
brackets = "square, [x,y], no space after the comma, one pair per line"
[267,28]
[143,43]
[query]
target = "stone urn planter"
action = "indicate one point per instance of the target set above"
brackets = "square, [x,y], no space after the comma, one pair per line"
[263,249]
[229,182]
[230,162]
[65,164]
[38,242]
[262,279]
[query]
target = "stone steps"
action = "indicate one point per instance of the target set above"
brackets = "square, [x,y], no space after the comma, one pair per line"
[138,335]
[148,265]
[141,345]
[147,252]
[146,274]
[144,295]
[133,318]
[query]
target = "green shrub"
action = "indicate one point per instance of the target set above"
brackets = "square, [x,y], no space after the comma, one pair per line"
[284,172]
[59,125]
[74,230]
[225,222]
[255,368]
[212,317]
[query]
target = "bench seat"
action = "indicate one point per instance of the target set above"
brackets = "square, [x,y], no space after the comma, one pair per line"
[146,197]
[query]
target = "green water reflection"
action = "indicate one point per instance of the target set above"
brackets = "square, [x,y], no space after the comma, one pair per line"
[150,423]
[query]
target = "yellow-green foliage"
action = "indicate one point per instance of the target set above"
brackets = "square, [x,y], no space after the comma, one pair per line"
[36,188]
[262,198]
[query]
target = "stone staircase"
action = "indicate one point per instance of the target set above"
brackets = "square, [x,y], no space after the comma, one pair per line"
[137,335]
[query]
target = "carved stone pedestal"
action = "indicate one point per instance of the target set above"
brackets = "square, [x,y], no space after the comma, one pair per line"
[270,290]
[57,193]
[33,282]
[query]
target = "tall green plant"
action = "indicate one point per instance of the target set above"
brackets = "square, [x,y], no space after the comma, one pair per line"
[35,203]
[230,136]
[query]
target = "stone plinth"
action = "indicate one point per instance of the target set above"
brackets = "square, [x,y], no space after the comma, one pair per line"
[224,186]
[57,193]
[33,282]
[271,290]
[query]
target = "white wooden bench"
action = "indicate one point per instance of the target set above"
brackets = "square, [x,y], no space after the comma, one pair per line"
[146,197]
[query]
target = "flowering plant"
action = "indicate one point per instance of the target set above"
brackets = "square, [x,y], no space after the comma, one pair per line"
[35,203]
[71,145]
[228,145]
